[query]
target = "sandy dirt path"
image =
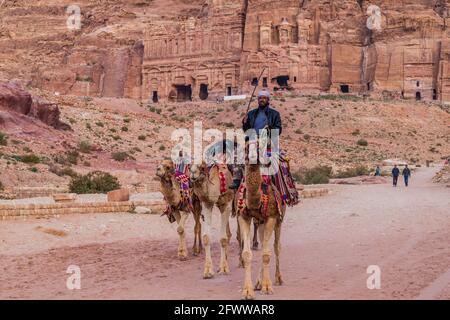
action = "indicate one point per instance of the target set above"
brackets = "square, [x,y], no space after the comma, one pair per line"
[327,245]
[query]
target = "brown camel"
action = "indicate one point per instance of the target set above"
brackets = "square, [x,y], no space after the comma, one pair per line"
[271,223]
[171,190]
[207,187]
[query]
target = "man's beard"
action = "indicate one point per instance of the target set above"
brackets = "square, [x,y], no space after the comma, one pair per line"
[263,105]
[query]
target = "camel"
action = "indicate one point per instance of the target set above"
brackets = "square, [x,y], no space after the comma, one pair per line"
[170,188]
[207,187]
[272,223]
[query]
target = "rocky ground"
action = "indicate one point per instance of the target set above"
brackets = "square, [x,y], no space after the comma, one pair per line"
[327,245]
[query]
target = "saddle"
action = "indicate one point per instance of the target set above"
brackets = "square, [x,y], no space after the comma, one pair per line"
[186,193]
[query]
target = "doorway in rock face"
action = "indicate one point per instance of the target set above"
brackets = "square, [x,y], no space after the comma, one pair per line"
[184,93]
[203,92]
[418,96]
[229,93]
[282,81]
[155,97]
[345,88]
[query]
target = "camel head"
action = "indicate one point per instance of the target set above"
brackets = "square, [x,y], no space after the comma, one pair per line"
[198,172]
[165,170]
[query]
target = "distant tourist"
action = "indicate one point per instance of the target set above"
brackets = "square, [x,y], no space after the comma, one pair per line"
[395,175]
[406,175]
[378,172]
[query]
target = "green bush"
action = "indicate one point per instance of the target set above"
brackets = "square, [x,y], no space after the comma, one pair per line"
[85,147]
[3,139]
[94,182]
[353,172]
[316,175]
[72,157]
[120,156]
[28,158]
[362,143]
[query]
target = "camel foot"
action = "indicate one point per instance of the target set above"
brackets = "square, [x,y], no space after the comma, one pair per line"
[208,273]
[267,288]
[278,281]
[248,293]
[225,270]
[196,251]
[255,246]
[258,286]
[182,255]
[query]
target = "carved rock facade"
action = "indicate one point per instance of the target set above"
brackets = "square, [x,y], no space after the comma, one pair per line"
[311,46]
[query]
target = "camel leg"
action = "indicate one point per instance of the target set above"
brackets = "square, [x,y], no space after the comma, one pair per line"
[269,227]
[277,249]
[197,249]
[229,234]
[247,293]
[255,235]
[208,272]
[260,232]
[225,236]
[181,221]
[241,244]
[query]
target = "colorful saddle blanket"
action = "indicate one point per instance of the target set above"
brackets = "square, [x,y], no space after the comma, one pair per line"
[283,187]
[186,193]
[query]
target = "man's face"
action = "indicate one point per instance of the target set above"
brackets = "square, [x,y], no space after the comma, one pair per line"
[263,101]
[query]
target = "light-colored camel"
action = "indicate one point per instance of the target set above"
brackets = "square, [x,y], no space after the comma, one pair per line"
[170,188]
[207,188]
[272,223]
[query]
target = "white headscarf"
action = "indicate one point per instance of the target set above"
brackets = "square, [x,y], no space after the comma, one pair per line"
[264,93]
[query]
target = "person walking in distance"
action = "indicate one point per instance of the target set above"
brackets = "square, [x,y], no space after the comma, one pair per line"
[395,175]
[406,175]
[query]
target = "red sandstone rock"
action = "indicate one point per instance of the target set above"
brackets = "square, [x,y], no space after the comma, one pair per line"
[119,195]
[15,99]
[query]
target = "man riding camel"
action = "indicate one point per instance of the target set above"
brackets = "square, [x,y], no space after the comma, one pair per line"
[258,119]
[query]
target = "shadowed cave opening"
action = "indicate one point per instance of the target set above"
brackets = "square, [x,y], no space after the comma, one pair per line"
[203,92]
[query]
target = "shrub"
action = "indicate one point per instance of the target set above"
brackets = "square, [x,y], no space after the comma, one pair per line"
[353,172]
[356,132]
[127,120]
[162,148]
[94,182]
[142,137]
[298,131]
[120,156]
[307,137]
[72,157]
[3,139]
[1,186]
[29,158]
[100,124]
[124,129]
[316,175]
[85,147]
[362,143]
[34,169]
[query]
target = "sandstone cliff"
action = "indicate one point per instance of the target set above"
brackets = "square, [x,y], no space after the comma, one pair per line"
[201,49]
